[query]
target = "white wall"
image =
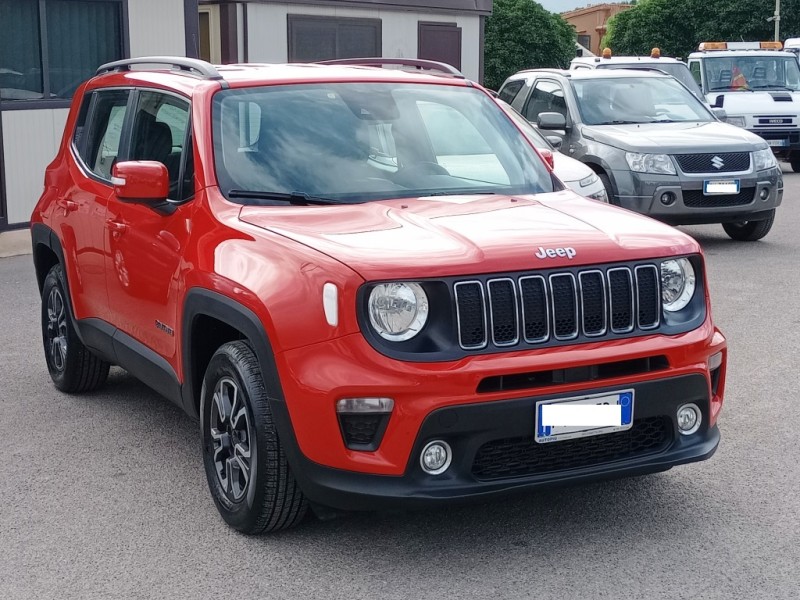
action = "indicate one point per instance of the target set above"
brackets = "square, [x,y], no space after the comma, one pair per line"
[30,141]
[156,27]
[268,35]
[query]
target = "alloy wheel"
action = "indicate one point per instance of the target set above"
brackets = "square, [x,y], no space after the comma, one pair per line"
[57,329]
[231,436]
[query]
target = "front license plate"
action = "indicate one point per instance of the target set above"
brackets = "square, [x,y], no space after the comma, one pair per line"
[582,416]
[721,186]
[779,143]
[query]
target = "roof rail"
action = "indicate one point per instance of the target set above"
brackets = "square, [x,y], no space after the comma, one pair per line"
[422,65]
[187,65]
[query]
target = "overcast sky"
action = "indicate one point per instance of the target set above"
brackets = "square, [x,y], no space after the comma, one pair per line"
[558,6]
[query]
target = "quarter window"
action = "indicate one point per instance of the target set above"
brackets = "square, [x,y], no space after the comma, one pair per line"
[48,47]
[510,91]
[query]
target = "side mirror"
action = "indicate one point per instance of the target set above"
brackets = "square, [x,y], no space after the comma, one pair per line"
[551,120]
[548,158]
[719,113]
[555,141]
[145,181]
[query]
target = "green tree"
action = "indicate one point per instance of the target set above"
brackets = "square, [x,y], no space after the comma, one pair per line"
[678,26]
[521,34]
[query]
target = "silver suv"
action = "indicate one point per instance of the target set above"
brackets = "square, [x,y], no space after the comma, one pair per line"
[657,148]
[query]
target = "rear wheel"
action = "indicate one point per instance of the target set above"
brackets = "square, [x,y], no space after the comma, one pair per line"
[749,231]
[73,368]
[246,467]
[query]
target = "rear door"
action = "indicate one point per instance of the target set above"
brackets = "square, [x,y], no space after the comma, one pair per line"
[81,206]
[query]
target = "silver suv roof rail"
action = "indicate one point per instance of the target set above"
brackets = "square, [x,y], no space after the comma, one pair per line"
[186,65]
[417,63]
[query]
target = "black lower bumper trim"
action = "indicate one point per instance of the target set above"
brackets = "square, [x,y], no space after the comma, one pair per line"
[468,428]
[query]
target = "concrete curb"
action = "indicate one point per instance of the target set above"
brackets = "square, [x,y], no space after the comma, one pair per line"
[14,243]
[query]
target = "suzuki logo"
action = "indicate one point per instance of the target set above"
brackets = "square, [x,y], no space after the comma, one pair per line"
[717,162]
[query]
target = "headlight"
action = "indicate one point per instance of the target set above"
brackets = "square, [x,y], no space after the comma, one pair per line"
[764,159]
[650,163]
[601,196]
[588,180]
[397,311]
[738,121]
[677,284]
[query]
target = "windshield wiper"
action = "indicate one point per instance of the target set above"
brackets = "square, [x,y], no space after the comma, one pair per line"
[296,198]
[774,87]
[619,122]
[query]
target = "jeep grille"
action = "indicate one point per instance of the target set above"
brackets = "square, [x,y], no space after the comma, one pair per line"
[534,309]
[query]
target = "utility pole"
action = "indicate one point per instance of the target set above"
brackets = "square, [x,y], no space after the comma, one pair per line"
[777,19]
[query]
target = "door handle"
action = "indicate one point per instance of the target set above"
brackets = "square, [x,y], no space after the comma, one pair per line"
[67,205]
[116,228]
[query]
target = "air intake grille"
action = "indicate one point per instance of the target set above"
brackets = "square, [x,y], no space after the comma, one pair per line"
[696,198]
[560,306]
[728,162]
[519,457]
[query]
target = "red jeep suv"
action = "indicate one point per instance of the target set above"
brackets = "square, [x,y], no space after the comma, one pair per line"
[368,286]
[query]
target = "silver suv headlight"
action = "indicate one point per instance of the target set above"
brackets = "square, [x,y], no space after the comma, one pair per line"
[650,163]
[588,180]
[738,121]
[678,283]
[764,159]
[398,311]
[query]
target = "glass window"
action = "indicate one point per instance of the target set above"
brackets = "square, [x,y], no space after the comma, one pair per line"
[80,34]
[760,72]
[547,96]
[510,91]
[637,100]
[313,39]
[105,131]
[357,142]
[159,134]
[694,68]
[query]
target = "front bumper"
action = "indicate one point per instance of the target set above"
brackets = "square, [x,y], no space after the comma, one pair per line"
[642,192]
[471,429]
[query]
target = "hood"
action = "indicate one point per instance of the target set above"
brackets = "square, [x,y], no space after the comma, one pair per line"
[675,138]
[569,169]
[458,235]
[775,102]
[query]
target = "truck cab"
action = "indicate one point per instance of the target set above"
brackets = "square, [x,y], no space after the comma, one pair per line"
[758,86]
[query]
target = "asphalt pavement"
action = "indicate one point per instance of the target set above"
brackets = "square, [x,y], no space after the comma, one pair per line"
[104,495]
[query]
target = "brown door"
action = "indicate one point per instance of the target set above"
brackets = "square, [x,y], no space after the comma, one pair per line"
[440,42]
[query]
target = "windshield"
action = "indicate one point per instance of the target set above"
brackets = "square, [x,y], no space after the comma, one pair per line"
[678,70]
[367,141]
[536,139]
[637,100]
[732,73]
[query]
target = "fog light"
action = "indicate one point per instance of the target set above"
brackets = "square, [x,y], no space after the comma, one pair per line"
[764,193]
[435,457]
[668,198]
[689,418]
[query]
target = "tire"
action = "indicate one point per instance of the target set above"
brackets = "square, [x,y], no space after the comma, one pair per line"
[246,467]
[749,231]
[609,189]
[72,366]
[794,160]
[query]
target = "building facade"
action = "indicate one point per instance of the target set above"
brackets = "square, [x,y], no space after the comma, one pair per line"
[48,47]
[590,23]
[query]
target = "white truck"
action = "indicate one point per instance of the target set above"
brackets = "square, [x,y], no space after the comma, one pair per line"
[758,86]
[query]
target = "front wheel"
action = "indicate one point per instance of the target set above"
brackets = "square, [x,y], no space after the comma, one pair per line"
[794,160]
[246,467]
[610,198]
[749,231]
[73,368]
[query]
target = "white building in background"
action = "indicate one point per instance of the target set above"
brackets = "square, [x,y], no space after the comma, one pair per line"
[47,48]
